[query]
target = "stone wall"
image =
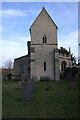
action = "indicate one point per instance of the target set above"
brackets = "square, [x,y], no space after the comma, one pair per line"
[65,58]
[32,65]
[22,67]
[43,52]
[56,65]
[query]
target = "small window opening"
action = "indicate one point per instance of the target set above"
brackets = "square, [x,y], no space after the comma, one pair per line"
[63,65]
[44,39]
[44,66]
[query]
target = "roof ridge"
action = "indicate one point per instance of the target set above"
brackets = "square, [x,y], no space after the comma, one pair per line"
[47,14]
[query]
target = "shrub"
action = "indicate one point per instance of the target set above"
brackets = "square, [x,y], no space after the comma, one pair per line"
[75,71]
[70,73]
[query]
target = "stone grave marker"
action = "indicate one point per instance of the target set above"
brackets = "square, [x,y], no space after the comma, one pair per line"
[28,88]
[26,92]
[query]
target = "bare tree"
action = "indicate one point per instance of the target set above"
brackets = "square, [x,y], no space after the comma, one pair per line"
[6,69]
[8,64]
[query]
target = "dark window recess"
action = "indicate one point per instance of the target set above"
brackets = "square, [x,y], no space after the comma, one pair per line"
[63,65]
[32,49]
[44,39]
[44,66]
[32,60]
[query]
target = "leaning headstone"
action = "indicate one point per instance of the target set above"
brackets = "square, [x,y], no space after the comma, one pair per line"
[27,88]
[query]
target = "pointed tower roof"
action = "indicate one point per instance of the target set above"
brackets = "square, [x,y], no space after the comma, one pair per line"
[44,10]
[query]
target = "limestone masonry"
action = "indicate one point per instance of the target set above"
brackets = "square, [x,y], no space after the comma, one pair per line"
[44,60]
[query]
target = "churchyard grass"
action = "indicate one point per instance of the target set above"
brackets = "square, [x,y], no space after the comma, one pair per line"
[61,102]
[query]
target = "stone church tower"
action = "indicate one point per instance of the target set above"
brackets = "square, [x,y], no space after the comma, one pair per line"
[44,60]
[44,48]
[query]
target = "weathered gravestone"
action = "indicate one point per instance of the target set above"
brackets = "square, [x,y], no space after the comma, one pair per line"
[28,88]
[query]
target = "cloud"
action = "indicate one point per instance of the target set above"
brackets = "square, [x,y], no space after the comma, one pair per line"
[12,12]
[11,49]
[40,1]
[17,13]
[69,40]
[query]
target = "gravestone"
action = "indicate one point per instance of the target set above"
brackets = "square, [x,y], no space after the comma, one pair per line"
[26,91]
[28,88]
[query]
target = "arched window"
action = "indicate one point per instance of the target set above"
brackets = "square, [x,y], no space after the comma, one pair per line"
[63,65]
[44,66]
[44,39]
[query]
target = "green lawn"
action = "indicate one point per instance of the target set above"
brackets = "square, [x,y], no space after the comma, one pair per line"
[62,102]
